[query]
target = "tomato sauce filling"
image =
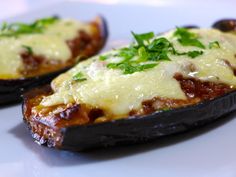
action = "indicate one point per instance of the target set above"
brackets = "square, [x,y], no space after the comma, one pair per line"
[45,122]
[83,45]
[79,114]
[195,90]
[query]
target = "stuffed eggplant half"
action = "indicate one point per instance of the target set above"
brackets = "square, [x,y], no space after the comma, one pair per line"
[33,54]
[158,85]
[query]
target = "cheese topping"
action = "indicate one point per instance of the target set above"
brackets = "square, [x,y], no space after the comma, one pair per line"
[51,44]
[117,93]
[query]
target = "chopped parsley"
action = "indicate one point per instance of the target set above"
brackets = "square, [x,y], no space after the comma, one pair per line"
[79,77]
[103,57]
[187,38]
[194,54]
[28,49]
[127,52]
[148,51]
[16,29]
[141,38]
[214,44]
[130,67]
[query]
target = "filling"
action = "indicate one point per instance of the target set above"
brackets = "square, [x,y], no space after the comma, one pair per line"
[43,46]
[179,68]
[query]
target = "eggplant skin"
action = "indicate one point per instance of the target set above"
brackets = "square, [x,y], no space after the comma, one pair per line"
[149,127]
[225,25]
[11,90]
[132,130]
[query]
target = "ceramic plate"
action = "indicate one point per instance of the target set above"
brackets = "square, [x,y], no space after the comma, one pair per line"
[205,152]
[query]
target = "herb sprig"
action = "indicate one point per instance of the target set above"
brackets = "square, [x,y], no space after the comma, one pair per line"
[214,44]
[28,49]
[79,77]
[147,52]
[16,29]
[187,38]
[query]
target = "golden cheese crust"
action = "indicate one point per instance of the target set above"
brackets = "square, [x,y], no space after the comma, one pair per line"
[107,94]
[45,123]
[60,46]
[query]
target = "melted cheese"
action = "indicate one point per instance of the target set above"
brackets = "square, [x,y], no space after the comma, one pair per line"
[51,44]
[117,94]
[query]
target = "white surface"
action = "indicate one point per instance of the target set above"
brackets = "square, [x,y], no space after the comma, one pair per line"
[10,8]
[208,152]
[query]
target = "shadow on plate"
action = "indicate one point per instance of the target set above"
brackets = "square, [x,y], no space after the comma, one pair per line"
[54,157]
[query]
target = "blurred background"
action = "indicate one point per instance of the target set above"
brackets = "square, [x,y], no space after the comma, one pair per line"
[9,8]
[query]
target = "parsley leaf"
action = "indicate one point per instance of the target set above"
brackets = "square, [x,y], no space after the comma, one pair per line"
[16,29]
[143,54]
[28,49]
[4,26]
[79,77]
[154,56]
[127,53]
[136,56]
[191,42]
[214,44]
[159,45]
[103,57]
[187,38]
[184,32]
[140,38]
[194,54]
[129,67]
[159,48]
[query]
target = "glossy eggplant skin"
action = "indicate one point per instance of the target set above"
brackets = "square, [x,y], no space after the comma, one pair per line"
[141,129]
[11,90]
[137,129]
[225,25]
[190,26]
[149,127]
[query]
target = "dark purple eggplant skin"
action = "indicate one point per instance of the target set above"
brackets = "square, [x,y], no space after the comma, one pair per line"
[11,90]
[225,25]
[104,28]
[190,26]
[140,129]
[149,127]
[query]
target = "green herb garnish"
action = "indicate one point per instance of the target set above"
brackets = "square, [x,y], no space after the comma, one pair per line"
[144,51]
[187,38]
[147,52]
[103,57]
[130,67]
[79,77]
[194,54]
[16,29]
[159,49]
[4,26]
[28,49]
[214,44]
[143,54]
[128,52]
[141,38]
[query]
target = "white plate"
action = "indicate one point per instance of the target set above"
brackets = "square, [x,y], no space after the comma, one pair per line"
[207,152]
